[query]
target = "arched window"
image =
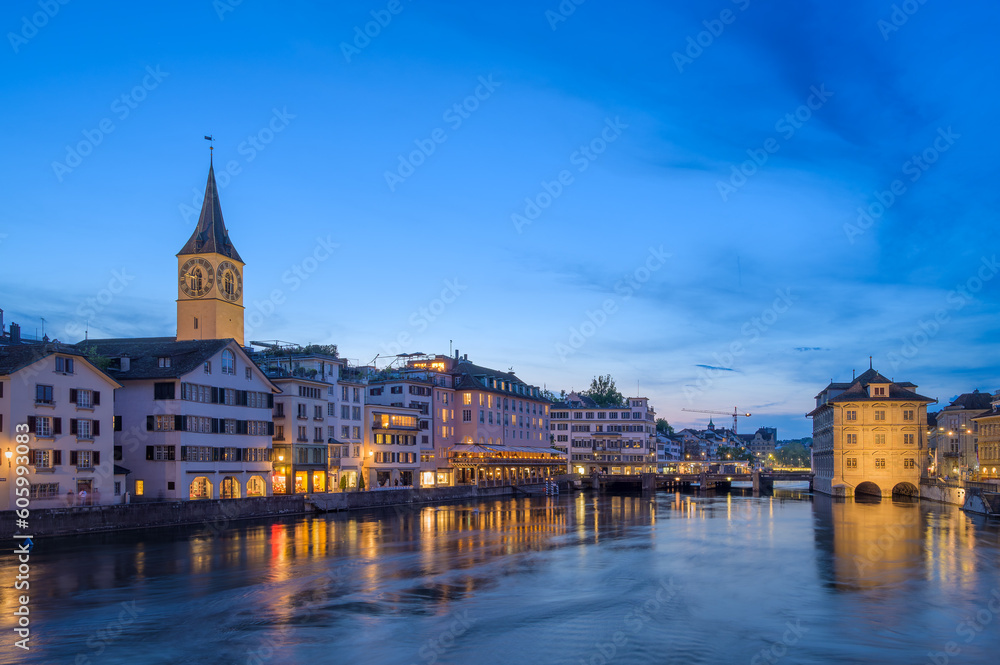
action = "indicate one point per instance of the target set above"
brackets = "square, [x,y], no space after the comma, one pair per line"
[201,488]
[256,486]
[230,488]
[228,362]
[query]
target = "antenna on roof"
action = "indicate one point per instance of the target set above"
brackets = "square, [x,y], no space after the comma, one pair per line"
[870,362]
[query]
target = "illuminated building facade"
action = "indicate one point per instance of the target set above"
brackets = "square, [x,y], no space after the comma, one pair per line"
[987,425]
[868,437]
[392,457]
[956,438]
[616,440]
[67,404]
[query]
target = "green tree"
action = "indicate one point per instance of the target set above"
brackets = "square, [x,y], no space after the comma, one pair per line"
[663,427]
[792,453]
[361,482]
[733,452]
[343,483]
[604,392]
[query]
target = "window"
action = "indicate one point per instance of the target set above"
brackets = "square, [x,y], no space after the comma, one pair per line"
[356,395]
[43,426]
[466,415]
[878,391]
[208,367]
[84,399]
[852,439]
[139,487]
[317,412]
[64,365]
[345,431]
[908,414]
[248,373]
[279,433]
[228,362]
[83,428]
[163,361]
[879,414]
[482,416]
[44,491]
[850,415]
[302,412]
[163,423]
[163,453]
[879,462]
[880,439]
[317,434]
[43,394]
[355,432]
[355,413]
[852,462]
[396,390]
[908,439]
[118,488]
[302,433]
[84,459]
[42,459]
[909,463]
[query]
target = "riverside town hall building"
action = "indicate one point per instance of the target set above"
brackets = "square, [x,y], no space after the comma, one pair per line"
[203,416]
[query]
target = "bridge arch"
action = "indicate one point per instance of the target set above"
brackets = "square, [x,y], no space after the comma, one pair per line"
[868,489]
[905,489]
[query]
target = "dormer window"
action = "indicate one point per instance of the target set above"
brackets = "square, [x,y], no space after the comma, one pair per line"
[878,391]
[163,361]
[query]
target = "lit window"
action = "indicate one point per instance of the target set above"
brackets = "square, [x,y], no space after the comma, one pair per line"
[228,362]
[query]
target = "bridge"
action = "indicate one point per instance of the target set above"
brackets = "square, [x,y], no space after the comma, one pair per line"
[761,480]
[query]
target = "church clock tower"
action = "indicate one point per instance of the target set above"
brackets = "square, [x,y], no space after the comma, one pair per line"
[210,277]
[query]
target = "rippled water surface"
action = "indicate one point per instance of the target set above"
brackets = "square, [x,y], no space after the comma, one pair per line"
[670,578]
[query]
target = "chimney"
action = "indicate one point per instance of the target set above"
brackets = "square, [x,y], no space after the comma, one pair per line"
[125,360]
[456,354]
[465,357]
[15,333]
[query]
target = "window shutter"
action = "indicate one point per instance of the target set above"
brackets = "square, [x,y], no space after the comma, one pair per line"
[56,457]
[57,425]
[72,458]
[97,457]
[215,425]
[178,423]
[215,395]
[97,398]
[184,453]
[270,429]
[149,452]
[96,425]
[31,424]
[72,395]
[118,423]
[215,454]
[72,425]
[118,453]
[270,401]
[150,423]
[172,453]
[239,454]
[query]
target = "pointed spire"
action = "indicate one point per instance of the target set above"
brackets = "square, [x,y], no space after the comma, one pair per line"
[211,236]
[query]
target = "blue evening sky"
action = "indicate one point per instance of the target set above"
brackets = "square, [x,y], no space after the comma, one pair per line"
[666,192]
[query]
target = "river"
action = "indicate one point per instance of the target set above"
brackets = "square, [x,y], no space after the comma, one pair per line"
[579,578]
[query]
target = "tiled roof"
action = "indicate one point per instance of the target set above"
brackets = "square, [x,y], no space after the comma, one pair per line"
[465,373]
[857,391]
[971,401]
[211,235]
[144,352]
[13,358]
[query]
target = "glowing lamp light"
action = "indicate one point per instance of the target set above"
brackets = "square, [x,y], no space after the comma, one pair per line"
[281,458]
[8,455]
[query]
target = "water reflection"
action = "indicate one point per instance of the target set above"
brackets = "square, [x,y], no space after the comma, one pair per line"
[553,576]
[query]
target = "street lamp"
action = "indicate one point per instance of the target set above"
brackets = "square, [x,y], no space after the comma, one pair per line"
[8,454]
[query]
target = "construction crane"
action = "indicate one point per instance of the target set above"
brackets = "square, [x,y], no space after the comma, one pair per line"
[735,414]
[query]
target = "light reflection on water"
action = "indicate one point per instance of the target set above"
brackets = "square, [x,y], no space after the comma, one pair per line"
[632,579]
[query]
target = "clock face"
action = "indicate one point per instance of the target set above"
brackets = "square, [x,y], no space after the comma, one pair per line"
[196,278]
[230,281]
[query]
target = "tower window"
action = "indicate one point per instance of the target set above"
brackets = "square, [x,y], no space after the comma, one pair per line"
[196,323]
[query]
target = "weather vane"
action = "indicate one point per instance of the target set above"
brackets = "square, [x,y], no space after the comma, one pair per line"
[210,146]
